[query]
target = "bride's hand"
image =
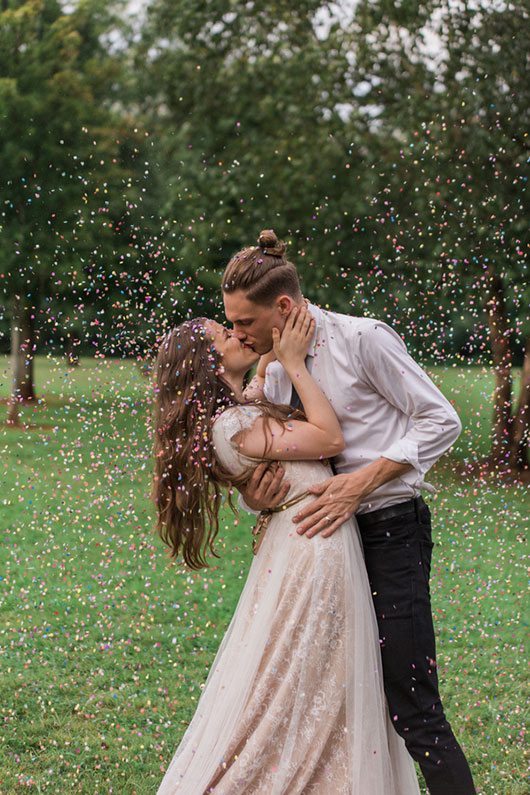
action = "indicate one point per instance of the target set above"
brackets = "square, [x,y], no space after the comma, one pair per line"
[292,344]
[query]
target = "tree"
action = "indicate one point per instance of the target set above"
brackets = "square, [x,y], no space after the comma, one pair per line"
[453,124]
[394,168]
[61,161]
[245,99]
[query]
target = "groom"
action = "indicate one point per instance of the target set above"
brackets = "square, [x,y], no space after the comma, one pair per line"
[396,424]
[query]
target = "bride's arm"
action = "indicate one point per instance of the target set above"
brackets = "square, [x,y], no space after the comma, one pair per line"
[254,390]
[321,435]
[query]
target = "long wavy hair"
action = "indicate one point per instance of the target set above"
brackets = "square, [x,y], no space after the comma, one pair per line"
[188,481]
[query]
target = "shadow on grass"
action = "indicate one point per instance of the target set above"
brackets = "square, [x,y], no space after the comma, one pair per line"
[17,423]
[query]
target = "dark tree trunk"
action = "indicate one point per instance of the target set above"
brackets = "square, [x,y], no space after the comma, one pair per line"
[502,362]
[22,354]
[521,420]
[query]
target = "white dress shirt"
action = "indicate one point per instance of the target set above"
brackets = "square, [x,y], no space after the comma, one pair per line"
[386,404]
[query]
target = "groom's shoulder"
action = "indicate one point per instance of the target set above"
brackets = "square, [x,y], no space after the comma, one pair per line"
[359,325]
[365,332]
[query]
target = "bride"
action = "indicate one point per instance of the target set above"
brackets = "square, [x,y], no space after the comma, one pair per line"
[294,700]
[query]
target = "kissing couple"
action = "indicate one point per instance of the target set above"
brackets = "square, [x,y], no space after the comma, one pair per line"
[325,681]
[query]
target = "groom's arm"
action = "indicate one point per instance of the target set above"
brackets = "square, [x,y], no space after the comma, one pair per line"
[340,497]
[265,488]
[392,372]
[388,368]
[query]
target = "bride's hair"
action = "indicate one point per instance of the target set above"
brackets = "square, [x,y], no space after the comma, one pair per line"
[188,480]
[263,272]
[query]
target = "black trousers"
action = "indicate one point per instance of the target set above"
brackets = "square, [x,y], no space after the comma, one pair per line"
[397,553]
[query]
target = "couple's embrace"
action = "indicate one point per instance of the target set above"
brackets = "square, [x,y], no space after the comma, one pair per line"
[325,681]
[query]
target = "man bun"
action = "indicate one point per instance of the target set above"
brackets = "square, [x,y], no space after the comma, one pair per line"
[263,272]
[267,237]
[268,241]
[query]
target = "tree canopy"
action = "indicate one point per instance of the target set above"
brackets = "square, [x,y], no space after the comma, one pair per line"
[386,142]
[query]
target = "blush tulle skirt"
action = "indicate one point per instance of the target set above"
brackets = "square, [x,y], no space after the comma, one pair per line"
[294,700]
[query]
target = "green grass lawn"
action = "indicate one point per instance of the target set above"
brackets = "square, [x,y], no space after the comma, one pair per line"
[104,643]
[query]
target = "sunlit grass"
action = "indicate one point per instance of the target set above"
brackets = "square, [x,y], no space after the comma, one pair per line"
[105,643]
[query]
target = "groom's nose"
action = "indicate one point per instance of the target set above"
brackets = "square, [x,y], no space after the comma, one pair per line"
[240,335]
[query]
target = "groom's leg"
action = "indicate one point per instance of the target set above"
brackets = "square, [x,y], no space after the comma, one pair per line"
[398,559]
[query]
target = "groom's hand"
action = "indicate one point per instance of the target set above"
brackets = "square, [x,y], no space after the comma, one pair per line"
[340,496]
[265,488]
[338,499]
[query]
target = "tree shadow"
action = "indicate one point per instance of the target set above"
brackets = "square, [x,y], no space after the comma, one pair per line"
[15,422]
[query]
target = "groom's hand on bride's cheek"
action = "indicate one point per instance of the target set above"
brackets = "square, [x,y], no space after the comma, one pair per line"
[336,501]
[266,487]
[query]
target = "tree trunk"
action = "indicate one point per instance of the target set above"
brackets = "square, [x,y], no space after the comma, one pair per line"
[13,413]
[502,362]
[22,353]
[521,420]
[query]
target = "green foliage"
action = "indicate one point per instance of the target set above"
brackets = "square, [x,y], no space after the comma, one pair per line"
[247,106]
[388,147]
[453,117]
[69,162]
[386,144]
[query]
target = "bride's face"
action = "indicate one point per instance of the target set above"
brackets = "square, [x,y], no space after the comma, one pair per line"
[235,355]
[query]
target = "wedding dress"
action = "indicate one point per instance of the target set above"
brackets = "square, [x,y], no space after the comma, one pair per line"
[294,700]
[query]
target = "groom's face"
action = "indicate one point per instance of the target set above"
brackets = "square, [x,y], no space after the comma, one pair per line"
[253,323]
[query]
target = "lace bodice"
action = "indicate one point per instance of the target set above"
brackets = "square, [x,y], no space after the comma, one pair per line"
[300,474]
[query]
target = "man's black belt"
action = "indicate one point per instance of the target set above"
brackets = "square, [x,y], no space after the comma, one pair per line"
[393,511]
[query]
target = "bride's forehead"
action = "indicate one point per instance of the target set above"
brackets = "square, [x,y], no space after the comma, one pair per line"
[213,328]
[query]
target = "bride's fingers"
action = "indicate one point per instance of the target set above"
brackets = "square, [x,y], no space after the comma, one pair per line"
[308,328]
[300,319]
[300,324]
[309,323]
[292,324]
[291,320]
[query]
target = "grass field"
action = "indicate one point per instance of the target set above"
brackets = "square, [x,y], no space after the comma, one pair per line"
[104,643]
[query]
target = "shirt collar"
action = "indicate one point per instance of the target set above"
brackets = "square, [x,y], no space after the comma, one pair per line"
[318,314]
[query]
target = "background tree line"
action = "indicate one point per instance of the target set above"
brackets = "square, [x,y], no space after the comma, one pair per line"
[386,143]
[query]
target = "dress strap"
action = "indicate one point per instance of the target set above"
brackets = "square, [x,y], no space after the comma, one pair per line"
[265,517]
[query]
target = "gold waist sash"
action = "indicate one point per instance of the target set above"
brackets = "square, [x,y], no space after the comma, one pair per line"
[265,517]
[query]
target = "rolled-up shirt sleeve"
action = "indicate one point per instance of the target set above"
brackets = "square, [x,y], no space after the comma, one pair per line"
[389,369]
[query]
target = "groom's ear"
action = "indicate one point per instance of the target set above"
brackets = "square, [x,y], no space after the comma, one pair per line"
[285,305]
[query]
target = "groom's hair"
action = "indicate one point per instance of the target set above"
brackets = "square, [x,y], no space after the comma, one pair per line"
[262,271]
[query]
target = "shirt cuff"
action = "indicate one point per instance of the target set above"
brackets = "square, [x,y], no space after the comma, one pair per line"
[405,451]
